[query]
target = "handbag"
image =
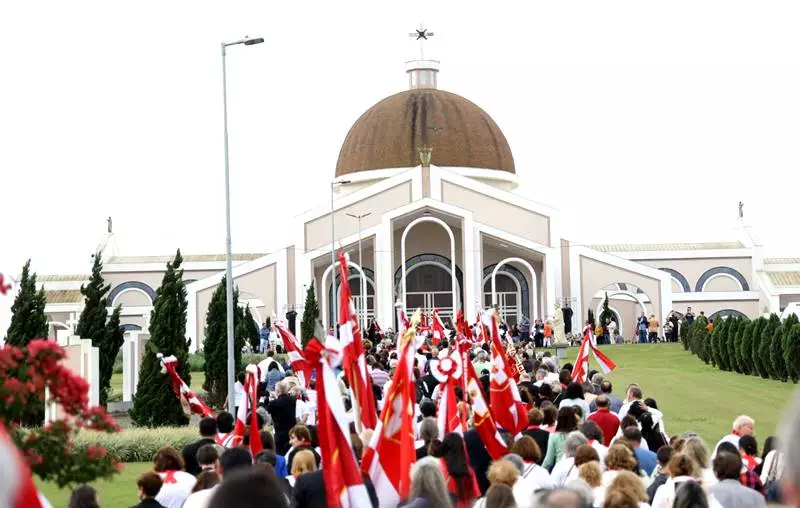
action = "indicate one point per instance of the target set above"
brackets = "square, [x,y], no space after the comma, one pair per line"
[772,488]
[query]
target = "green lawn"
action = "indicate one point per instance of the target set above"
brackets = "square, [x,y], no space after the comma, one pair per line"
[119,492]
[196,384]
[693,395]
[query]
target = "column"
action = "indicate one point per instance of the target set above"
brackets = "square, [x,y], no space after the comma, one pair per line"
[384,275]
[473,270]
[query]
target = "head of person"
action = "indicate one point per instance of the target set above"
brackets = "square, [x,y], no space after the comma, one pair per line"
[620,458]
[727,466]
[566,421]
[592,431]
[208,457]
[695,448]
[167,459]
[427,408]
[681,465]
[266,457]
[606,387]
[149,485]
[597,378]
[208,428]
[527,449]
[249,488]
[234,459]
[602,402]
[550,412]
[651,403]
[560,498]
[633,435]
[586,453]
[564,376]
[303,462]
[281,388]
[663,455]
[541,374]
[634,392]
[427,482]
[591,473]
[299,435]
[631,488]
[206,480]
[574,391]
[503,472]
[535,416]
[500,495]
[428,429]
[85,496]
[573,441]
[225,422]
[454,454]
[748,446]
[744,426]
[690,495]
[628,421]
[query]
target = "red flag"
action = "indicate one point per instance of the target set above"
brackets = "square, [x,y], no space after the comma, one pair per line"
[449,372]
[482,417]
[507,407]
[437,328]
[355,361]
[190,402]
[249,403]
[390,454]
[295,354]
[581,368]
[4,288]
[344,485]
[463,327]
[17,489]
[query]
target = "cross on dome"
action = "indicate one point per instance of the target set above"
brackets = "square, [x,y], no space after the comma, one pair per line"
[421,34]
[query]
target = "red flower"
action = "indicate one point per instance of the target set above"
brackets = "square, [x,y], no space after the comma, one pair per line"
[96,452]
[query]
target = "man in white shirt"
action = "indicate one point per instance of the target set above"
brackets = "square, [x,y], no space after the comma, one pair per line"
[742,426]
[233,459]
[263,366]
[634,394]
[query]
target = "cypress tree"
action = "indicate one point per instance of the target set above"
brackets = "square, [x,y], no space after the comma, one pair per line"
[743,356]
[155,404]
[716,343]
[729,349]
[756,366]
[791,352]
[786,333]
[776,361]
[591,318]
[762,358]
[28,320]
[93,325]
[700,338]
[215,345]
[685,333]
[251,331]
[310,315]
[607,314]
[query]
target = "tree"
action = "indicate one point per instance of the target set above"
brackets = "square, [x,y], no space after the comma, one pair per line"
[215,345]
[685,334]
[591,319]
[94,325]
[155,404]
[776,352]
[756,367]
[729,351]
[700,338]
[50,451]
[762,358]
[606,314]
[743,356]
[791,352]
[251,329]
[310,315]
[715,356]
[28,320]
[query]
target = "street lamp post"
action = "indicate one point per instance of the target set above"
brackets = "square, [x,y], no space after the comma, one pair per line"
[362,304]
[335,320]
[228,258]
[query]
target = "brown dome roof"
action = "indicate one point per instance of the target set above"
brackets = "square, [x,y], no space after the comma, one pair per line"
[391,133]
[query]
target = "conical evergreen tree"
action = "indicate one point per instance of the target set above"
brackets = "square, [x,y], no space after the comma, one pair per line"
[251,332]
[700,338]
[685,333]
[762,359]
[757,368]
[715,343]
[28,320]
[791,352]
[776,361]
[786,346]
[93,325]
[155,404]
[729,350]
[215,345]
[743,350]
[310,315]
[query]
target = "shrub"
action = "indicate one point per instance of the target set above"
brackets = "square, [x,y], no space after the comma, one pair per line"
[785,344]
[762,345]
[752,346]
[714,343]
[197,362]
[729,350]
[685,333]
[743,355]
[138,444]
[776,361]
[791,352]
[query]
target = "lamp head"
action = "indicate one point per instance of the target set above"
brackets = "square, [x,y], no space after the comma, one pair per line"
[250,42]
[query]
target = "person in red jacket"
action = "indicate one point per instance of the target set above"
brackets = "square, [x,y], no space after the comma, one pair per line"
[605,419]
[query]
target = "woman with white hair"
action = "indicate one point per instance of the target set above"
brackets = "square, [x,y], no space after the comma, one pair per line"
[565,466]
[427,485]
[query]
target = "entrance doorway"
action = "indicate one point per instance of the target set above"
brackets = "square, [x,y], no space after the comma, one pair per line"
[429,286]
[509,297]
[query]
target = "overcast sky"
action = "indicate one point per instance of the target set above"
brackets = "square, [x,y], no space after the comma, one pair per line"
[641,121]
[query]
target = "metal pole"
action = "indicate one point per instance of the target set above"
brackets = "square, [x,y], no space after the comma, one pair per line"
[361,306]
[335,320]
[228,257]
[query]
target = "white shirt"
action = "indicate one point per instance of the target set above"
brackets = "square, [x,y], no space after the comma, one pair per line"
[263,367]
[200,499]
[238,394]
[771,457]
[174,492]
[534,477]
[730,438]
[306,408]
[665,495]
[562,470]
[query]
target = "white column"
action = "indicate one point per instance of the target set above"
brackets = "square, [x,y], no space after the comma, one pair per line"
[472,270]
[471,306]
[128,362]
[384,275]
[552,261]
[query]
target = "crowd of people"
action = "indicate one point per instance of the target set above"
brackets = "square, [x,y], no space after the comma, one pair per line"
[585,446]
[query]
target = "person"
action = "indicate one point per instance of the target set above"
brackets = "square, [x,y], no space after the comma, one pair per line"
[233,460]
[178,484]
[225,423]
[605,419]
[614,402]
[428,432]
[274,376]
[573,396]
[283,412]
[533,476]
[626,490]
[536,432]
[84,496]
[208,431]
[263,336]
[208,457]
[641,327]
[427,484]
[660,475]
[459,476]
[149,485]
[690,494]
[652,329]
[689,316]
[206,480]
[525,329]
[743,425]
[729,491]
[748,449]
[675,322]
[249,488]
[299,440]
[647,459]
[566,465]
[565,423]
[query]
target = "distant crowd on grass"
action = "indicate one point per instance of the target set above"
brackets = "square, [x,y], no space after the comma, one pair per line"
[584,446]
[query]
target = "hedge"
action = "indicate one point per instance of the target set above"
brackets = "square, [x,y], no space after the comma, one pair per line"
[197,360]
[138,444]
[766,347]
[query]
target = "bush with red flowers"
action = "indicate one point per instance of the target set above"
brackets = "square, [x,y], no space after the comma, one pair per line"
[24,375]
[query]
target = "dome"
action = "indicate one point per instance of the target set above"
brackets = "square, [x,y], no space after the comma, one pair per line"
[391,133]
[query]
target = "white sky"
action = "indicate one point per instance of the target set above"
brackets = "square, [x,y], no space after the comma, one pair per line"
[641,121]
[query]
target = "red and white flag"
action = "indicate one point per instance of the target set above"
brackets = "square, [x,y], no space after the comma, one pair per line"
[190,402]
[295,353]
[507,406]
[344,484]
[438,330]
[388,458]
[482,417]
[581,369]
[355,360]
[17,489]
[449,372]
[249,403]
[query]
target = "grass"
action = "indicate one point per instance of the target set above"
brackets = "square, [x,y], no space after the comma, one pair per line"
[120,491]
[196,384]
[695,396]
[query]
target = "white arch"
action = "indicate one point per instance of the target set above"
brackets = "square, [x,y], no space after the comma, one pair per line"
[58,323]
[324,290]
[136,290]
[534,281]
[620,326]
[452,258]
[364,299]
[626,293]
[722,274]
[678,283]
[510,276]
[438,265]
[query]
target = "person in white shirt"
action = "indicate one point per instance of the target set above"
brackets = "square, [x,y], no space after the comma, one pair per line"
[263,366]
[742,426]
[234,459]
[634,394]
[561,471]
[178,484]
